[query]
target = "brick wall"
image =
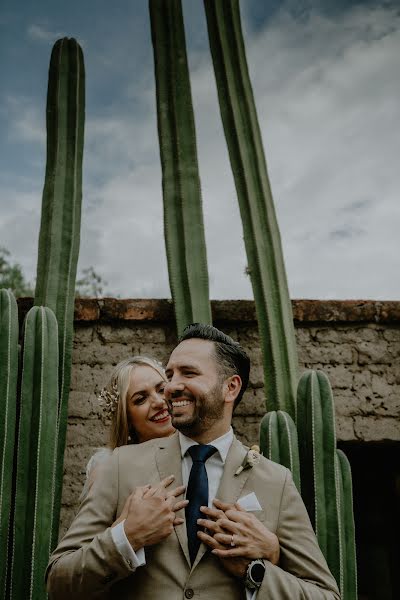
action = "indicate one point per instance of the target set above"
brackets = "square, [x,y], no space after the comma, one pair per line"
[357,343]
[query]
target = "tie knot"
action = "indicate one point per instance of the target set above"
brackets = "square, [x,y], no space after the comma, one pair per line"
[201,452]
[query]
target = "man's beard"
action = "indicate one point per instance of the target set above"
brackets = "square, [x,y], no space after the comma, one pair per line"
[207,409]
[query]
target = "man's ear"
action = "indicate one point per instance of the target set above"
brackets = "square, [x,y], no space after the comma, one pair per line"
[232,386]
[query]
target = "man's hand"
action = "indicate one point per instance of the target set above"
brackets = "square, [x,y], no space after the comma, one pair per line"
[149,513]
[237,537]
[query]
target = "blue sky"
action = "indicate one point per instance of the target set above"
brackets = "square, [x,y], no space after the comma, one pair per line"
[326,82]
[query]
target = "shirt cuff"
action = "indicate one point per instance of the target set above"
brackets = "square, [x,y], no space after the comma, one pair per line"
[133,559]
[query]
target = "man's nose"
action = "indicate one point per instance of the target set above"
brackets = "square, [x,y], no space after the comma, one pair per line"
[172,386]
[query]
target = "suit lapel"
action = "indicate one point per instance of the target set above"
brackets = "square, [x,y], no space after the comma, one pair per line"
[230,486]
[169,462]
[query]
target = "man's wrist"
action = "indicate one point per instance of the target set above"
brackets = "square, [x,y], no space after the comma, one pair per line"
[133,540]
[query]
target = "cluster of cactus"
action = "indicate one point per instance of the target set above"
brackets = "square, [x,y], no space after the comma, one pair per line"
[183,216]
[34,383]
[320,471]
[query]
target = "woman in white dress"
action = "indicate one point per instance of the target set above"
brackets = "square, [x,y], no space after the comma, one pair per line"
[134,397]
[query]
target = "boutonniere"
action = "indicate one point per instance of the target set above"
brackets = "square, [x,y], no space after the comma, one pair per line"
[252,458]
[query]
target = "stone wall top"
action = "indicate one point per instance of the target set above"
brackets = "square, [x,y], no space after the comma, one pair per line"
[304,311]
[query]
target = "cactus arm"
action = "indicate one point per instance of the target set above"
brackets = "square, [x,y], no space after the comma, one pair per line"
[348,580]
[278,442]
[317,450]
[8,404]
[36,449]
[261,232]
[183,217]
[61,215]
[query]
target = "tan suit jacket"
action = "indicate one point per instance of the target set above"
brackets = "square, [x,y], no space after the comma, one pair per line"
[86,564]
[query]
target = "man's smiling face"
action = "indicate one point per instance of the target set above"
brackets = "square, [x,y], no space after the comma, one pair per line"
[194,391]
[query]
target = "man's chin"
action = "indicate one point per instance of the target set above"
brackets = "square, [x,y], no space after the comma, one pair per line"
[183,423]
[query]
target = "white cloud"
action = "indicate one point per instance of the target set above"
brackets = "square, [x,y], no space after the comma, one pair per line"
[40,33]
[26,123]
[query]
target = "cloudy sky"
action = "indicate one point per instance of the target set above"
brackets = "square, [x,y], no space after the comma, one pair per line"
[326,78]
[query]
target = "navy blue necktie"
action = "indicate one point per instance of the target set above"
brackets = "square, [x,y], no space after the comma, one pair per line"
[197,494]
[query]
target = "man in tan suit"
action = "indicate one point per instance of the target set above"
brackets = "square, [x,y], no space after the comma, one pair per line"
[254,542]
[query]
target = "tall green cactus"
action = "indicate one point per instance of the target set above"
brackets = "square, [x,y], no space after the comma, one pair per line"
[61,216]
[34,497]
[8,404]
[325,480]
[261,232]
[348,582]
[183,217]
[278,442]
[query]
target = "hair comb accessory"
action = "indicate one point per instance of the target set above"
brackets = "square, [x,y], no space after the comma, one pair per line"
[109,399]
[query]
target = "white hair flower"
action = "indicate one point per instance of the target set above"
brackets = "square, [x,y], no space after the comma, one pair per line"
[109,399]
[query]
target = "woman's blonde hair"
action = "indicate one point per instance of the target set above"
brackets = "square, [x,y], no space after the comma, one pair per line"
[120,432]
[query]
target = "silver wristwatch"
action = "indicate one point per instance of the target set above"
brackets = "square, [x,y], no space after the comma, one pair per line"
[255,574]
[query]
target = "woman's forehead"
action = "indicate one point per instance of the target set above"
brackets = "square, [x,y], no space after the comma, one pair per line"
[145,375]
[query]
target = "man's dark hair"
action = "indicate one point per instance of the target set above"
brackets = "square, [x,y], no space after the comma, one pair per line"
[231,358]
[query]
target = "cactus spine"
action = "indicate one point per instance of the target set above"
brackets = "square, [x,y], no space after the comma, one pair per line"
[261,232]
[278,442]
[8,404]
[61,215]
[183,217]
[35,455]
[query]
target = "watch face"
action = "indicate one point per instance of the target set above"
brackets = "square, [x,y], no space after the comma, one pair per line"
[257,572]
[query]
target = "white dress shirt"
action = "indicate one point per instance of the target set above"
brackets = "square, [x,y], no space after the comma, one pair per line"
[214,467]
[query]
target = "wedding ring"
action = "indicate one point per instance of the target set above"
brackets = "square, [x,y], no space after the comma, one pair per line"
[232,541]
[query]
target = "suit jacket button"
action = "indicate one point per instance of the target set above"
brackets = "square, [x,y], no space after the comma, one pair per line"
[108,578]
[189,593]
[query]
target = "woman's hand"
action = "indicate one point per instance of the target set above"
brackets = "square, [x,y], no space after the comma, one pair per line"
[150,513]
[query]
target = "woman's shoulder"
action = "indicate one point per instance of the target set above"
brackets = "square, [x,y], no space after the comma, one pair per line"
[97,459]
[100,456]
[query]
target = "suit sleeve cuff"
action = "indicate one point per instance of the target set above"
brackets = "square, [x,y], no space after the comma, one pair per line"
[133,559]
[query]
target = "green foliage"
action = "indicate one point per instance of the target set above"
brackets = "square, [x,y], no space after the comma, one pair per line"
[261,232]
[12,277]
[8,404]
[34,497]
[61,217]
[90,284]
[183,217]
[278,442]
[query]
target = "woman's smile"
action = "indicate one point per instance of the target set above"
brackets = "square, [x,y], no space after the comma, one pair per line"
[161,416]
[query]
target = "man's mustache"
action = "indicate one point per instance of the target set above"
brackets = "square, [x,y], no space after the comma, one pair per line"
[178,394]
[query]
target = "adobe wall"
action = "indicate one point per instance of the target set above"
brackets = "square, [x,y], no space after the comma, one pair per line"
[357,343]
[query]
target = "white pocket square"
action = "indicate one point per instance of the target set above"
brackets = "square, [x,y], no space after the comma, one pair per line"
[249,502]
